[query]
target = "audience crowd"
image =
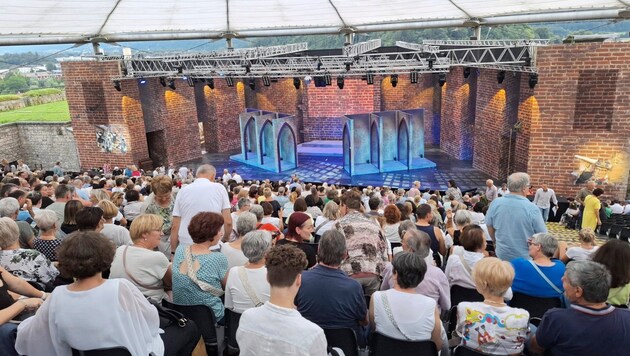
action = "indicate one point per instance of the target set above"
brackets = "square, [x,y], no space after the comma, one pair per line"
[87,260]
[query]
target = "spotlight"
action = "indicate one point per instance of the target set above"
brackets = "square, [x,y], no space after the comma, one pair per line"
[210,83]
[125,71]
[248,68]
[117,85]
[430,61]
[413,77]
[171,84]
[142,81]
[533,80]
[296,83]
[319,64]
[500,76]
[266,80]
[466,72]
[163,81]
[230,81]
[252,83]
[180,69]
[320,82]
[442,79]
[340,82]
[370,78]
[394,80]
[328,79]
[348,66]
[191,81]
[307,80]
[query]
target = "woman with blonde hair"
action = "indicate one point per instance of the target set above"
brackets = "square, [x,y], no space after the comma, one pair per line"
[491,326]
[584,251]
[117,234]
[327,221]
[147,269]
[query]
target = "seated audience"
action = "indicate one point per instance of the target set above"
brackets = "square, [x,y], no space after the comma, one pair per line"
[116,233]
[438,246]
[9,207]
[233,250]
[299,234]
[268,218]
[119,315]
[529,278]
[247,285]
[47,242]
[69,216]
[615,255]
[463,259]
[133,208]
[28,264]
[328,218]
[90,219]
[589,326]
[434,283]
[391,222]
[285,331]
[199,272]
[147,269]
[327,296]
[491,326]
[390,310]
[584,251]
[456,223]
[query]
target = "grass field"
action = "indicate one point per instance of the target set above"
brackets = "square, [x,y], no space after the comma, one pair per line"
[57,111]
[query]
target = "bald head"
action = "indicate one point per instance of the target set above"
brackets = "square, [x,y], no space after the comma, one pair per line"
[206,171]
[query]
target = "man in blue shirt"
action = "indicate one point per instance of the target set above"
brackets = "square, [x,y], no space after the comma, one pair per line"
[589,326]
[512,219]
[327,296]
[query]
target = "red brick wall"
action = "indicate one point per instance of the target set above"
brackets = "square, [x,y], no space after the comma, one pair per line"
[219,110]
[414,96]
[181,130]
[554,139]
[458,115]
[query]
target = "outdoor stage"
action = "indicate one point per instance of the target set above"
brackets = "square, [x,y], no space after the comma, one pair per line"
[327,166]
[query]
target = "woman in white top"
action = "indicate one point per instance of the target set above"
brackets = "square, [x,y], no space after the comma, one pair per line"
[391,223]
[233,250]
[390,310]
[491,326]
[327,221]
[147,269]
[91,313]
[584,251]
[116,233]
[247,285]
[463,258]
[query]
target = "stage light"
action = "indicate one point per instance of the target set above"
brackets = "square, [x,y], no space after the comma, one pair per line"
[210,83]
[163,81]
[171,84]
[125,72]
[117,85]
[370,78]
[142,81]
[340,82]
[248,68]
[533,80]
[180,69]
[191,81]
[230,81]
[307,80]
[252,83]
[442,79]
[319,64]
[394,80]
[500,76]
[328,79]
[296,83]
[430,62]
[266,80]
[466,72]
[348,66]
[413,77]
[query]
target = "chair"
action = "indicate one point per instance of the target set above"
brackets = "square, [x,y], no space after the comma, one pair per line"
[204,317]
[624,234]
[615,230]
[537,307]
[232,319]
[395,244]
[114,351]
[460,294]
[461,350]
[381,345]
[343,338]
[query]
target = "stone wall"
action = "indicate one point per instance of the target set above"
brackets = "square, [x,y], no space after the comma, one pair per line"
[29,101]
[40,144]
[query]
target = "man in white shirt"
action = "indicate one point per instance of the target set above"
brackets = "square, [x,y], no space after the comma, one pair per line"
[491,191]
[543,199]
[285,331]
[226,176]
[616,207]
[237,178]
[183,172]
[202,195]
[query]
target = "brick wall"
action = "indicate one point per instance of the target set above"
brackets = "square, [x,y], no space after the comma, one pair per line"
[458,114]
[562,128]
[218,110]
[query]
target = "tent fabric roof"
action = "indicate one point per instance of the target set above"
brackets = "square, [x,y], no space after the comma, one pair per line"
[58,21]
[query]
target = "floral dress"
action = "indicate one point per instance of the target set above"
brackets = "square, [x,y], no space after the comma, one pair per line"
[30,265]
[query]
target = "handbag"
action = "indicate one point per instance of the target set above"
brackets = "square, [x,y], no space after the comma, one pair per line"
[168,316]
[242,273]
[390,316]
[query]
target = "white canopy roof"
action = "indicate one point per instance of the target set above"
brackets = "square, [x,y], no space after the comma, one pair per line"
[69,21]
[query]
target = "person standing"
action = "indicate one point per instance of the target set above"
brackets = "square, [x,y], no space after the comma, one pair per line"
[581,195]
[513,219]
[226,176]
[57,169]
[415,190]
[591,209]
[543,199]
[492,192]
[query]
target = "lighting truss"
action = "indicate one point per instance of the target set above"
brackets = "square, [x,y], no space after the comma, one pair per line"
[286,61]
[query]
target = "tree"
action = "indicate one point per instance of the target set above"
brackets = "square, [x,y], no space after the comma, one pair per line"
[15,83]
[50,67]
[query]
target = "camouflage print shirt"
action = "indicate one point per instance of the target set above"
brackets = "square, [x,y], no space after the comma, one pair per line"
[367,249]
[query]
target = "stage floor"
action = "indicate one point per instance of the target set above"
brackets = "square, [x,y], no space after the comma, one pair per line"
[330,169]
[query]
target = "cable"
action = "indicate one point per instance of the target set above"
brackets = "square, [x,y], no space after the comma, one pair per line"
[16,66]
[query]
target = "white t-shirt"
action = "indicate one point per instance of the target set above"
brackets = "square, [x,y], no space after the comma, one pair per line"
[236,297]
[416,326]
[271,220]
[237,178]
[227,177]
[324,223]
[391,232]
[578,253]
[201,195]
[234,256]
[146,266]
[117,234]
[183,172]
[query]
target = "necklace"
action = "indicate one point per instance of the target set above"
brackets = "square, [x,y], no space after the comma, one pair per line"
[493,302]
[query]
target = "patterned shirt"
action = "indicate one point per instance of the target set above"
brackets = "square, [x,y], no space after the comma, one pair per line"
[47,247]
[367,249]
[165,213]
[29,265]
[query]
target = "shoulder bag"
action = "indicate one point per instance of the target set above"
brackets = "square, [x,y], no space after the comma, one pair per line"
[242,274]
[206,287]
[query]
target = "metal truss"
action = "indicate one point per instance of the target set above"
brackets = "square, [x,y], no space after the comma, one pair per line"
[281,61]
